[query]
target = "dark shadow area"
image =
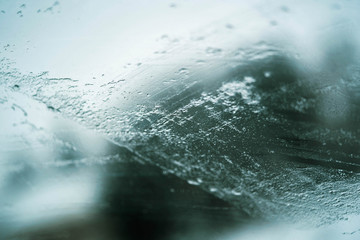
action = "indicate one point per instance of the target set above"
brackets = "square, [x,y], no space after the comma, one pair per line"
[139,201]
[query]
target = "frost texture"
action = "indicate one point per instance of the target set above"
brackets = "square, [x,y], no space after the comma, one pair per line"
[273,137]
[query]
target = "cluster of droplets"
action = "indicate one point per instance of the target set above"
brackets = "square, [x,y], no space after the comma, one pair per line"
[23,9]
[218,140]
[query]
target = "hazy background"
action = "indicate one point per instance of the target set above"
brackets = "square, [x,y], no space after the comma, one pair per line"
[179,119]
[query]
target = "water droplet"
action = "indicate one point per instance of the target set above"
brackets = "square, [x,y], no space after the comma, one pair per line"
[213,51]
[192,182]
[236,192]
[267,74]
[229,26]
[49,9]
[273,23]
[284,8]
[183,71]
[336,6]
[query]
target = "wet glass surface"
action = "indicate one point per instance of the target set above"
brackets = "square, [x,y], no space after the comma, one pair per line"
[179,120]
